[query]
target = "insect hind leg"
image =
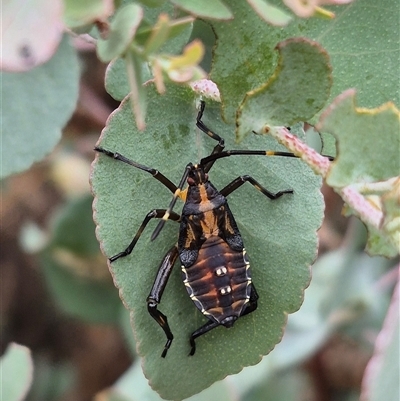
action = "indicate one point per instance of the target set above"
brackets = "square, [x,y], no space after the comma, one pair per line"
[211,324]
[154,298]
[252,304]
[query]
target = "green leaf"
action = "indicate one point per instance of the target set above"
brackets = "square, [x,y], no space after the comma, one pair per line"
[269,13]
[16,372]
[163,30]
[244,57]
[367,140]
[39,103]
[366,58]
[159,34]
[342,296]
[73,228]
[116,80]
[133,386]
[203,31]
[122,31]
[368,144]
[362,42]
[80,297]
[303,70]
[79,13]
[280,238]
[74,269]
[152,3]
[215,9]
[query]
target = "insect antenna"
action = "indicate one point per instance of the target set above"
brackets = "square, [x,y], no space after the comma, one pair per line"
[227,153]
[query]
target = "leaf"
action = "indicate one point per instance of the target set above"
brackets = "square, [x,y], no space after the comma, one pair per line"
[215,9]
[16,372]
[159,34]
[116,80]
[31,33]
[269,13]
[304,71]
[343,296]
[39,103]
[381,377]
[244,55]
[75,273]
[80,13]
[152,3]
[362,43]
[366,58]
[133,386]
[154,37]
[368,143]
[280,238]
[122,31]
[80,297]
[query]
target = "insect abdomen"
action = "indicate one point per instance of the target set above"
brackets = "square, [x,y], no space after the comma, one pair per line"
[219,281]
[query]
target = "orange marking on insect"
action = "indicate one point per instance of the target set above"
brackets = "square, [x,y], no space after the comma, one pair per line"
[209,224]
[205,204]
[183,194]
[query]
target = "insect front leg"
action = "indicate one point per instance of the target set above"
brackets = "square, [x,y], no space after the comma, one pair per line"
[156,292]
[153,214]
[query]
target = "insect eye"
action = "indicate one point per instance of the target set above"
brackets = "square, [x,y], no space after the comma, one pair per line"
[190,181]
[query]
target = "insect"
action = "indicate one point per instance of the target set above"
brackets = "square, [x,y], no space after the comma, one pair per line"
[215,268]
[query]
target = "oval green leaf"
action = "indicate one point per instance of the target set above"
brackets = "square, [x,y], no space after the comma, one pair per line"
[280,238]
[38,105]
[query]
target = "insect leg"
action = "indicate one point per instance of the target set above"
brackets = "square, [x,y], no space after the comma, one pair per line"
[252,305]
[221,143]
[169,211]
[227,153]
[155,213]
[239,181]
[155,173]
[211,324]
[156,292]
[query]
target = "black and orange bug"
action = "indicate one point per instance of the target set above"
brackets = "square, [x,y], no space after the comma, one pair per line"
[215,268]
